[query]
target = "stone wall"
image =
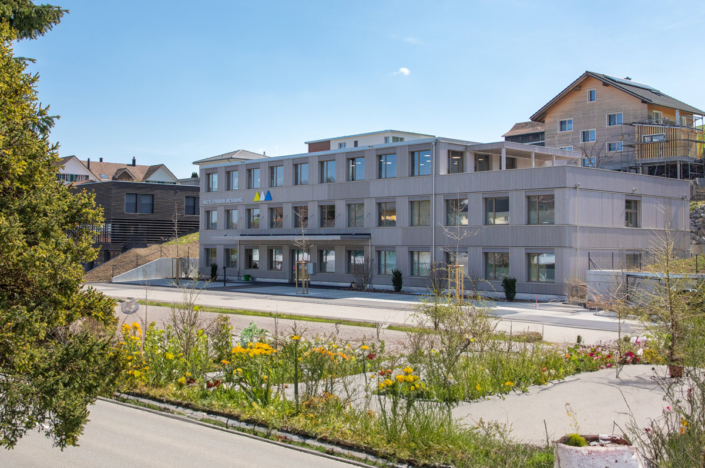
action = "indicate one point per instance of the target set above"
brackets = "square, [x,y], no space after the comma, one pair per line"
[697,226]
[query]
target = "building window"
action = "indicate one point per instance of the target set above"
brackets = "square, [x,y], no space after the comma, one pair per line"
[497,210]
[420,263]
[457,212]
[275,259]
[301,174]
[387,262]
[301,256]
[191,205]
[457,258]
[483,162]
[253,218]
[327,263]
[632,213]
[276,176]
[657,116]
[276,218]
[614,119]
[342,145]
[633,261]
[592,95]
[421,163]
[135,203]
[327,172]
[565,125]
[252,259]
[130,203]
[653,138]
[230,219]
[252,178]
[232,180]
[211,219]
[210,256]
[496,265]
[397,139]
[542,267]
[327,216]
[589,162]
[421,213]
[587,136]
[356,215]
[231,258]
[355,143]
[356,169]
[387,214]
[387,166]
[541,209]
[566,148]
[386,140]
[455,162]
[510,162]
[212,182]
[616,146]
[356,260]
[301,217]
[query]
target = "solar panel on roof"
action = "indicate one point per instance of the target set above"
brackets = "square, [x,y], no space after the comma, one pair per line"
[636,84]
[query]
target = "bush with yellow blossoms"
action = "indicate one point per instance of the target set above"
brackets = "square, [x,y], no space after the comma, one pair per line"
[252,368]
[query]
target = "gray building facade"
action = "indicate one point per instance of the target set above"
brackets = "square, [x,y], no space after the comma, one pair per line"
[499,209]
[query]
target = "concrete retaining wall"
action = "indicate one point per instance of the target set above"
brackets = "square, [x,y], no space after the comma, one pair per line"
[603,283]
[158,269]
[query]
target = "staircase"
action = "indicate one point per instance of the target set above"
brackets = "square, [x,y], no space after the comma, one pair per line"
[134,258]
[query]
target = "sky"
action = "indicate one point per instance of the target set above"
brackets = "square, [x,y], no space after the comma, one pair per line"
[176,81]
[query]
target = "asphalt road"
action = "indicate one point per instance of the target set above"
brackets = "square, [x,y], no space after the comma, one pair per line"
[122,437]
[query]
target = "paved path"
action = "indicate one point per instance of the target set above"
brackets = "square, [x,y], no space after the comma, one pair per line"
[599,399]
[558,322]
[121,437]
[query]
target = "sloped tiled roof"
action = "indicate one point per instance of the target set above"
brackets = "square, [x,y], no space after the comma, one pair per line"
[238,154]
[139,173]
[644,92]
[523,128]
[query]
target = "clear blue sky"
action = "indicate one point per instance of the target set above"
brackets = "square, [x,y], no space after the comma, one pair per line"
[175,81]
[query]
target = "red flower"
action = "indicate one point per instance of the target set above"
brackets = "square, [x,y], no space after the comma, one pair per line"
[371,356]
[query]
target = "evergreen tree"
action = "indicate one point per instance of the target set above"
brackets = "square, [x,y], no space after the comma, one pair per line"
[56,350]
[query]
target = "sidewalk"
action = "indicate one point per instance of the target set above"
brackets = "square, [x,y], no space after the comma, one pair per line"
[558,322]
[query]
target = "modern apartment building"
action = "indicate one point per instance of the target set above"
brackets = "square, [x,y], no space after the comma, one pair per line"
[620,124]
[498,209]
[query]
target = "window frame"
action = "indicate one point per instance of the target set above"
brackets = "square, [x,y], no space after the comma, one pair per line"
[251,182]
[272,263]
[416,263]
[357,207]
[494,276]
[621,146]
[494,211]
[323,263]
[413,221]
[212,182]
[351,260]
[354,168]
[229,218]
[233,180]
[591,93]
[211,255]
[459,213]
[211,220]
[383,261]
[416,163]
[650,137]
[634,220]
[280,223]
[382,162]
[538,270]
[276,176]
[538,211]
[229,258]
[479,157]
[326,167]
[195,205]
[567,121]
[131,211]
[591,132]
[298,222]
[250,218]
[460,157]
[619,117]
[298,172]
[250,262]
[141,205]
[325,221]
[384,214]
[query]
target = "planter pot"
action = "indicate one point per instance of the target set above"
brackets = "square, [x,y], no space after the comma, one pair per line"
[676,372]
[616,454]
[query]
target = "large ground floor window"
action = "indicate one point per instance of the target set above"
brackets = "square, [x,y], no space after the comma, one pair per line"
[542,267]
[420,263]
[252,259]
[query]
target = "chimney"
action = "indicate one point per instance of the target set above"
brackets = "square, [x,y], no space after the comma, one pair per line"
[101,159]
[134,161]
[89,164]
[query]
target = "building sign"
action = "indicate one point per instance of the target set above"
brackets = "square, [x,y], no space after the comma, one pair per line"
[260,196]
[222,200]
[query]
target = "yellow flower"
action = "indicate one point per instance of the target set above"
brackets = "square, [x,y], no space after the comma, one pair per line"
[478,387]
[296,338]
[169,356]
[400,378]
[182,380]
[225,362]
[508,383]
[408,370]
[364,347]
[188,374]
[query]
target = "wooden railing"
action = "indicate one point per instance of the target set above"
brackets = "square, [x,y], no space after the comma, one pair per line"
[677,142]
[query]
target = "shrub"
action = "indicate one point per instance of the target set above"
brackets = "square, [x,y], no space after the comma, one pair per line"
[214,271]
[510,288]
[575,440]
[397,280]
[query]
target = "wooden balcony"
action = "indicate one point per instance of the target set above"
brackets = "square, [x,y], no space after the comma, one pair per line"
[668,141]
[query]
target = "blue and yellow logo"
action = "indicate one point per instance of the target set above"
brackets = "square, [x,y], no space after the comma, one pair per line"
[260,196]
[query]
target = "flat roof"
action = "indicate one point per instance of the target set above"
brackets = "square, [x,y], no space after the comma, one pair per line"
[284,237]
[365,134]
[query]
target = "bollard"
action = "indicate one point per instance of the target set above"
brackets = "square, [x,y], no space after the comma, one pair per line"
[225,274]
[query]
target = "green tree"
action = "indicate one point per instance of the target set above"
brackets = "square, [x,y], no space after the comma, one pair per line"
[56,350]
[28,20]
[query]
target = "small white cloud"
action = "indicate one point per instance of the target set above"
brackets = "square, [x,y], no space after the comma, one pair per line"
[413,41]
[403,71]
